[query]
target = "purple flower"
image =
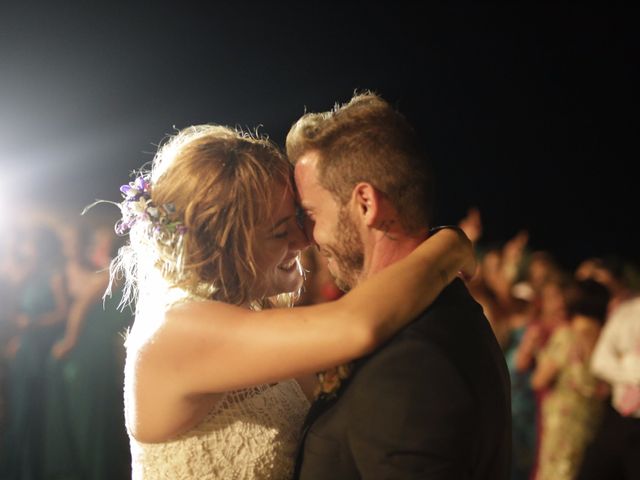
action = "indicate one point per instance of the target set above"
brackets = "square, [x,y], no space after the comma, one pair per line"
[137,206]
[137,189]
[141,184]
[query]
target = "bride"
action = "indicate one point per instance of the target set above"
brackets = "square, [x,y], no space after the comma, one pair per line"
[213,255]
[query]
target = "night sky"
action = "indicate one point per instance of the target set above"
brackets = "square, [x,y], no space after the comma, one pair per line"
[529,113]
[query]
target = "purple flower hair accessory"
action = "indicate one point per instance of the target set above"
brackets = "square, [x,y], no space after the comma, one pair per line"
[137,205]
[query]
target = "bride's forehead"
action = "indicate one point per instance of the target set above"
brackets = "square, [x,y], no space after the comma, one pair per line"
[281,204]
[281,193]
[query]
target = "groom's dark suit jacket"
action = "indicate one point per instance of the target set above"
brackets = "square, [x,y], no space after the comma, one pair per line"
[433,403]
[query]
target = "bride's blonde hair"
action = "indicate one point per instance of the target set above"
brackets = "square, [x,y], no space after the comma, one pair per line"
[220,184]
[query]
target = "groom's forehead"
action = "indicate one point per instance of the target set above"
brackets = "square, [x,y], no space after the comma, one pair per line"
[305,174]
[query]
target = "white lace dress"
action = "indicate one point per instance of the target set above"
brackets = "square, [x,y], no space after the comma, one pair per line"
[250,434]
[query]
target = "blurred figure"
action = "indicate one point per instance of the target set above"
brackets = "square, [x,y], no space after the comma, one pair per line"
[572,408]
[587,268]
[509,308]
[497,271]
[471,224]
[542,268]
[11,276]
[78,268]
[85,438]
[548,314]
[42,309]
[523,400]
[542,287]
[615,452]
[487,287]
[609,271]
[502,280]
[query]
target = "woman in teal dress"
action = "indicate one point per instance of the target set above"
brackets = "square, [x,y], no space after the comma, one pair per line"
[523,407]
[85,437]
[42,310]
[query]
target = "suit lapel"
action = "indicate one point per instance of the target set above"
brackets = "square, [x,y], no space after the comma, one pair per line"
[316,410]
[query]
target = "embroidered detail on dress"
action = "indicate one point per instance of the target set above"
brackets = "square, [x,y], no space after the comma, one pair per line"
[250,434]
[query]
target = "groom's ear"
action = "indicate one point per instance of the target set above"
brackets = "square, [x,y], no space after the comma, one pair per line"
[367,202]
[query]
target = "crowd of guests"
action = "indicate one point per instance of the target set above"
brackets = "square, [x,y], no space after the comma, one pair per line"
[61,355]
[572,344]
[571,341]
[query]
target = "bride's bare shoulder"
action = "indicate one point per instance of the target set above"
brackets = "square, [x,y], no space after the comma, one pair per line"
[160,332]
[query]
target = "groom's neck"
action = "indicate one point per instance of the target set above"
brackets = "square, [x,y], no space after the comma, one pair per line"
[385,250]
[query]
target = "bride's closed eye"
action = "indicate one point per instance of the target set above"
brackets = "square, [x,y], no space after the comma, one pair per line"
[281,234]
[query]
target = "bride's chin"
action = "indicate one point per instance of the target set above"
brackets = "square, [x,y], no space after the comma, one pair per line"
[293,284]
[288,283]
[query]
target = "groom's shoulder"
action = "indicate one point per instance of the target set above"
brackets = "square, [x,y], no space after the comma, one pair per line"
[453,314]
[453,334]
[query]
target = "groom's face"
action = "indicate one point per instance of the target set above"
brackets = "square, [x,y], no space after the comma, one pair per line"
[329,225]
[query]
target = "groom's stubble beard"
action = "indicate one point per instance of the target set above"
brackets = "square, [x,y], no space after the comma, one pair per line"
[347,251]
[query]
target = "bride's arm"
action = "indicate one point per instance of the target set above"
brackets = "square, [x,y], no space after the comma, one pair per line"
[207,347]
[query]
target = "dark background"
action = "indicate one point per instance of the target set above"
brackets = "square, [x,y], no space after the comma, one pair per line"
[529,113]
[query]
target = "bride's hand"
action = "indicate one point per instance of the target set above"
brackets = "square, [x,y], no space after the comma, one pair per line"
[469,262]
[470,265]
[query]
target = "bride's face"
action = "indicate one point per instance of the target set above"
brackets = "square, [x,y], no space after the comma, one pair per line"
[279,241]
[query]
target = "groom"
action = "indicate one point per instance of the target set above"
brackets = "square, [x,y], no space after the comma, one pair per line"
[434,402]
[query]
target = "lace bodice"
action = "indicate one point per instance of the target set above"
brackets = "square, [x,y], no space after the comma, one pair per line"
[250,434]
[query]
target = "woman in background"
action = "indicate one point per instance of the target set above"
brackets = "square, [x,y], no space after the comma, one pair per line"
[43,306]
[572,408]
[84,435]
